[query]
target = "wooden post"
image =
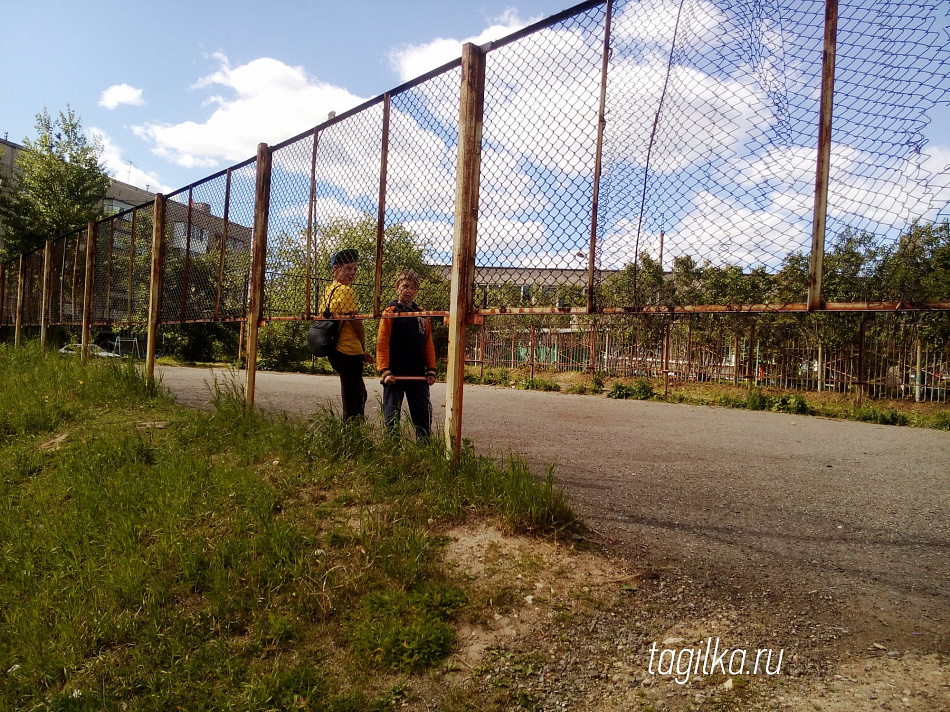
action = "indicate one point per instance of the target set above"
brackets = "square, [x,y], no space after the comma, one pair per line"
[824,156]
[87,287]
[919,375]
[821,366]
[20,284]
[598,159]
[463,241]
[258,262]
[155,283]
[46,288]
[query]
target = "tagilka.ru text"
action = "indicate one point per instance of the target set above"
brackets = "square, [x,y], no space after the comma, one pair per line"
[680,663]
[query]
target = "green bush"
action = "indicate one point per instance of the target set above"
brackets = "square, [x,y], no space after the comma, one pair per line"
[538,384]
[941,420]
[881,416]
[642,389]
[199,342]
[794,404]
[490,377]
[282,345]
[597,382]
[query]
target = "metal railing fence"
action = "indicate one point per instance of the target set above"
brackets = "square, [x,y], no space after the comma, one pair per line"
[884,357]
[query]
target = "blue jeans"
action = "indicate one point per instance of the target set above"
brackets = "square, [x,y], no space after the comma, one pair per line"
[420,407]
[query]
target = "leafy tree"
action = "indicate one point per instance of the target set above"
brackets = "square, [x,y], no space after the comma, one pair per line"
[58,184]
[918,269]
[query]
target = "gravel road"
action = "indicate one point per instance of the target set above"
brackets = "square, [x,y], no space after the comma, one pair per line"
[840,522]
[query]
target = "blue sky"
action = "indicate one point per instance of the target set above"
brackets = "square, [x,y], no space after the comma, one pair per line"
[172,65]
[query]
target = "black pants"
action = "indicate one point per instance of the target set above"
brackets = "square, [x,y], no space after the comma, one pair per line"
[352,388]
[420,407]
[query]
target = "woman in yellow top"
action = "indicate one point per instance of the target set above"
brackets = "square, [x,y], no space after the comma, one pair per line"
[350,354]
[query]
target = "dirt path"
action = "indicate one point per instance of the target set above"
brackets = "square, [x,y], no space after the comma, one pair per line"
[807,524]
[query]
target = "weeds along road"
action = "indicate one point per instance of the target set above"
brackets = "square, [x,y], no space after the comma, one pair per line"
[794,516]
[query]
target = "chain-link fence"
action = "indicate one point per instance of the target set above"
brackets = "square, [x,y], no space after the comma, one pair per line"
[635,156]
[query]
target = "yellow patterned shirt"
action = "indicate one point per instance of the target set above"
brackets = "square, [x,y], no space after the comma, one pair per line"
[343,301]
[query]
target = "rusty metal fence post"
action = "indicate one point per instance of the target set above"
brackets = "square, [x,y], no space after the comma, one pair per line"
[155,283]
[255,309]
[816,261]
[87,286]
[471,105]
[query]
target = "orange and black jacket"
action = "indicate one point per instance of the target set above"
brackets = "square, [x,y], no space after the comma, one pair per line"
[404,345]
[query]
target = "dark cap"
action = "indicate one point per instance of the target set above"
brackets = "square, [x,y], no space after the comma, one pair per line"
[344,257]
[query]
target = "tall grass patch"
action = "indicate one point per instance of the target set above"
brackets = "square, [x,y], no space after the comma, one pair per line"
[158,558]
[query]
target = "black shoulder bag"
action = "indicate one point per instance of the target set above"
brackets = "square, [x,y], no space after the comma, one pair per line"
[323,335]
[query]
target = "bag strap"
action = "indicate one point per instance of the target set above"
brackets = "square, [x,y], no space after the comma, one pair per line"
[326,309]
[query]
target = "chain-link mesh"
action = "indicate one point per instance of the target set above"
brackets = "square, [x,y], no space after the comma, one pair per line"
[57,269]
[234,269]
[325,194]
[705,196]
[7,276]
[722,143]
[32,287]
[420,188]
[140,269]
[539,145]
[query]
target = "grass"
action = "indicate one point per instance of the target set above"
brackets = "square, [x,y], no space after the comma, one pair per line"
[161,558]
[828,405]
[538,384]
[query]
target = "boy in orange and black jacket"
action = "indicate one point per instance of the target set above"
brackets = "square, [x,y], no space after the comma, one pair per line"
[404,348]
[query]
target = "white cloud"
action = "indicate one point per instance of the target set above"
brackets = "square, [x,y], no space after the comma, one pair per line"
[121,94]
[414,60]
[267,101]
[122,169]
[654,26]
